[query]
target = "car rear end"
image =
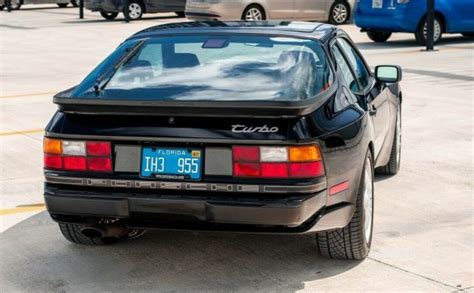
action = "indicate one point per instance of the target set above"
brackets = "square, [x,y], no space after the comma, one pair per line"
[176,182]
[389,15]
[199,131]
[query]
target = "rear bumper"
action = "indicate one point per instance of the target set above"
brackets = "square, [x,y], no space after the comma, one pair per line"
[294,214]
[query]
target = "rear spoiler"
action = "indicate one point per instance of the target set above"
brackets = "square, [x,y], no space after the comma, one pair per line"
[270,109]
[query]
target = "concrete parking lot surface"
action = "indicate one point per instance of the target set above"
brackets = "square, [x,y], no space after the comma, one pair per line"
[423,237]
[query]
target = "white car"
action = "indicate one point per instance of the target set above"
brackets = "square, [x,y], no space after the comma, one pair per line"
[333,11]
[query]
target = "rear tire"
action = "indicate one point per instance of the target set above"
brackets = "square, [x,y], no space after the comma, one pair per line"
[393,165]
[353,241]
[109,15]
[62,5]
[72,232]
[378,36]
[421,32]
[340,12]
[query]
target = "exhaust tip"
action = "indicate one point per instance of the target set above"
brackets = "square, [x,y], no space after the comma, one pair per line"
[92,232]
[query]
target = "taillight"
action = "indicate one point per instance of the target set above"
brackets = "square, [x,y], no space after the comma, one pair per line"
[277,162]
[72,155]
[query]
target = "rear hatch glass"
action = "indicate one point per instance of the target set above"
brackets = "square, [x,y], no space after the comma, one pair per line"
[210,68]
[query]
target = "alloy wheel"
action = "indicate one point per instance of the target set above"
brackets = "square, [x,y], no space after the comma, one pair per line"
[253,14]
[437,30]
[340,13]
[368,200]
[134,10]
[398,133]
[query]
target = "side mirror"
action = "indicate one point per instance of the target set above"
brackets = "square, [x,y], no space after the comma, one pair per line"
[388,73]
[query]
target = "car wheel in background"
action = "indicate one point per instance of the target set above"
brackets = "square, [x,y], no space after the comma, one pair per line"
[2,7]
[422,31]
[339,13]
[354,240]
[109,15]
[74,3]
[393,164]
[378,36]
[16,4]
[253,13]
[62,5]
[135,10]
[180,13]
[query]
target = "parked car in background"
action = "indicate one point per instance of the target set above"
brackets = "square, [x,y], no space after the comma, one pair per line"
[334,11]
[16,4]
[109,9]
[381,18]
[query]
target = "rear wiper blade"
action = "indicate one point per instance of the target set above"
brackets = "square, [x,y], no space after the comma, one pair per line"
[104,79]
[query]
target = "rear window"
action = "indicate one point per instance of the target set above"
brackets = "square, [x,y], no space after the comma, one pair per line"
[211,68]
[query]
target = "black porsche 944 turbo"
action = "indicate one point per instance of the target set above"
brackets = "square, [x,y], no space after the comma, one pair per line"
[261,127]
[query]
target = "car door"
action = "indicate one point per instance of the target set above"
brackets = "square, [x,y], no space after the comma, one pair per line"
[365,88]
[280,9]
[459,14]
[310,10]
[175,5]
[153,6]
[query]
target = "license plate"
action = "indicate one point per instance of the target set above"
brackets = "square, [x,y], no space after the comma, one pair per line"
[171,163]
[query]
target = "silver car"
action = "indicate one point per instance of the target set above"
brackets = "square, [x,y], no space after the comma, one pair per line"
[333,11]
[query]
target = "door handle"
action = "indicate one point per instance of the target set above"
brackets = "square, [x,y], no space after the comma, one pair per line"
[372,111]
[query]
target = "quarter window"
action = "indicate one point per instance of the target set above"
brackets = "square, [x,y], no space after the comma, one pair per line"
[345,69]
[355,60]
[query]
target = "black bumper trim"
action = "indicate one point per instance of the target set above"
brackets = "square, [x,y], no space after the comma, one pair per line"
[290,213]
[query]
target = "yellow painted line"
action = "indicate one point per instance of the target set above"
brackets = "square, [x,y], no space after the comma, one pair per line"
[18,132]
[28,95]
[22,209]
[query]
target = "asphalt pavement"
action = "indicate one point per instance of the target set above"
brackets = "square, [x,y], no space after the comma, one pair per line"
[423,230]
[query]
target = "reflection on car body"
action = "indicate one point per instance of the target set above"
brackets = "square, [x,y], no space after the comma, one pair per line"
[269,127]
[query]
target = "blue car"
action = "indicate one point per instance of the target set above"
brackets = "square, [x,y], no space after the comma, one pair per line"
[381,18]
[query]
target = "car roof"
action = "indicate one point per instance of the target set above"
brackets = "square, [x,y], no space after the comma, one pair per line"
[313,30]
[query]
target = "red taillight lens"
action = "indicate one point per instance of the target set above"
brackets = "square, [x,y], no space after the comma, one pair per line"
[53,162]
[246,153]
[75,155]
[306,170]
[99,164]
[274,170]
[246,169]
[75,163]
[277,162]
[98,148]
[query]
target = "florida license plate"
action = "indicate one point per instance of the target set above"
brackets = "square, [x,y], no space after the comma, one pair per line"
[171,163]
